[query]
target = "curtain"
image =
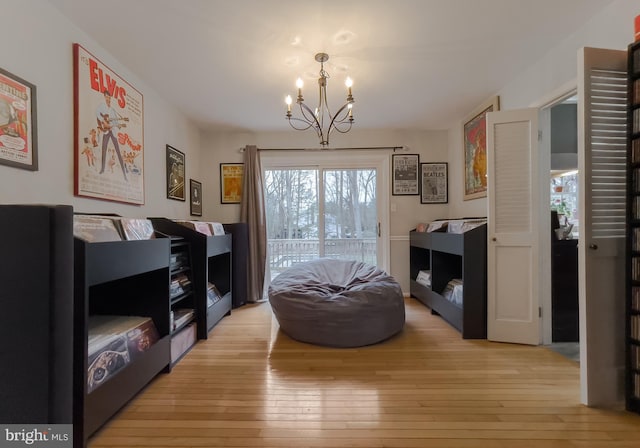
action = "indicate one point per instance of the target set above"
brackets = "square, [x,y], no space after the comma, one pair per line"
[253,213]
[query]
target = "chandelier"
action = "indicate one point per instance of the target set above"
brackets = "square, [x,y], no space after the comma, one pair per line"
[321,119]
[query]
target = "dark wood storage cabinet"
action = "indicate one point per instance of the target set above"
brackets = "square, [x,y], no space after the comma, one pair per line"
[632,336]
[123,278]
[449,256]
[36,323]
[211,262]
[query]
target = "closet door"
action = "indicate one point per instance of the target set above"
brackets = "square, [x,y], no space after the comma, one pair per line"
[512,246]
[602,133]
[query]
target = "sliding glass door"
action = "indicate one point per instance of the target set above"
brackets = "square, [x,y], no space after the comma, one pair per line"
[322,211]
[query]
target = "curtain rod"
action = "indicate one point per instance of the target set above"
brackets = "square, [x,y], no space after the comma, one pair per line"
[363,148]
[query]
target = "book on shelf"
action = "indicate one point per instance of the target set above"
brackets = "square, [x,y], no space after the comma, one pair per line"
[635,357]
[635,327]
[635,268]
[635,298]
[635,150]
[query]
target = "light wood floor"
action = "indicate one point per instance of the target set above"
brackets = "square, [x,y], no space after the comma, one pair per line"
[249,385]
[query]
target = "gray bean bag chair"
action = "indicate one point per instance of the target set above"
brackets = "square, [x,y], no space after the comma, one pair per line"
[337,303]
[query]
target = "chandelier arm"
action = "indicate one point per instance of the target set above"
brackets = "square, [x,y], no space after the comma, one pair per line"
[345,130]
[309,116]
[304,128]
[335,121]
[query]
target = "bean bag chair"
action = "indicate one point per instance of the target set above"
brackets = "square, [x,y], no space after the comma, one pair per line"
[337,303]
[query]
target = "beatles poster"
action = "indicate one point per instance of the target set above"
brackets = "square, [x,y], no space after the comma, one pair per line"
[109,147]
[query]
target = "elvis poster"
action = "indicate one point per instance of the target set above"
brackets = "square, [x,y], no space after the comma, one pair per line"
[109,132]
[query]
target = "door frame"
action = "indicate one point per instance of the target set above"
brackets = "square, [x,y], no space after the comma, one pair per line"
[544,106]
[328,159]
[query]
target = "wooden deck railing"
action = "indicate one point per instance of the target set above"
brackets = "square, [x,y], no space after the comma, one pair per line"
[285,253]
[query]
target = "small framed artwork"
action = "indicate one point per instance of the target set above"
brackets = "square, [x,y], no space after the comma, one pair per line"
[195,197]
[405,174]
[175,174]
[434,183]
[231,178]
[474,137]
[18,133]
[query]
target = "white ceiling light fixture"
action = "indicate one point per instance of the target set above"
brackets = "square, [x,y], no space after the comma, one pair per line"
[321,119]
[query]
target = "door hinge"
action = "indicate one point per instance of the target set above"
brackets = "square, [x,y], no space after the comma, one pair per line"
[378,230]
[539,135]
[539,311]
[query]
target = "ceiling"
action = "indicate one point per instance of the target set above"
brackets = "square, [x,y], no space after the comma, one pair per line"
[416,64]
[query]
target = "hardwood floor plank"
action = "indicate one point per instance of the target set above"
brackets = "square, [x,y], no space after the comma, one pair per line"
[249,385]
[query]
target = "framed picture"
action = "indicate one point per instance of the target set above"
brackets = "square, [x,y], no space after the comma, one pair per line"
[474,137]
[175,174]
[108,133]
[195,197]
[18,132]
[405,174]
[434,183]
[231,178]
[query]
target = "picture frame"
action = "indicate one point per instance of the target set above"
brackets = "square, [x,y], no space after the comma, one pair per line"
[195,197]
[404,168]
[474,138]
[108,125]
[231,180]
[434,183]
[18,124]
[175,174]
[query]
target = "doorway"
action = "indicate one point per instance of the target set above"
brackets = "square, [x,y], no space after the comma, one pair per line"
[565,227]
[317,208]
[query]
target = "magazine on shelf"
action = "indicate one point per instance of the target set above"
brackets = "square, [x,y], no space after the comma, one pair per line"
[135,228]
[213,295]
[198,226]
[182,316]
[95,229]
[113,342]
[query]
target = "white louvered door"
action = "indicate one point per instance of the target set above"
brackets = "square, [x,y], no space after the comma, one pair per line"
[602,90]
[512,251]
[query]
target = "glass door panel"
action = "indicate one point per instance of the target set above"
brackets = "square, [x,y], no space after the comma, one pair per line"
[350,214]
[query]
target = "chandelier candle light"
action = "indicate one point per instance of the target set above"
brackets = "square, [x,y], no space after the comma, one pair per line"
[341,121]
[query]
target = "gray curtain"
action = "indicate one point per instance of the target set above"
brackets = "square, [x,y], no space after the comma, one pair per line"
[253,213]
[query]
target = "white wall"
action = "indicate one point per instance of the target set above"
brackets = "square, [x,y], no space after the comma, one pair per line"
[38,48]
[431,146]
[611,28]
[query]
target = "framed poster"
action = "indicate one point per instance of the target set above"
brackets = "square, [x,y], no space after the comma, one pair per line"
[434,183]
[231,178]
[474,137]
[195,197]
[108,133]
[18,131]
[175,174]
[405,174]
